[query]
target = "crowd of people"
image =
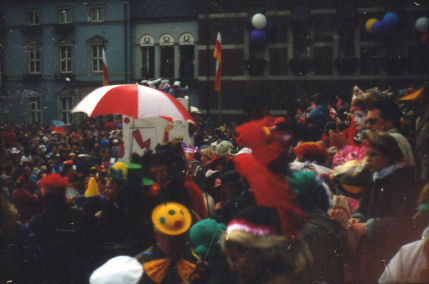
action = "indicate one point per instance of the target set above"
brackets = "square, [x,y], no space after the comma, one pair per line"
[336,193]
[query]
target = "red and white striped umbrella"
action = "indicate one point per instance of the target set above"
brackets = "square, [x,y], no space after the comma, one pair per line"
[133,100]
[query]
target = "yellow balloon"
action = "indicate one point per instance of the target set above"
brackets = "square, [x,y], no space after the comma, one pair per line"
[370,23]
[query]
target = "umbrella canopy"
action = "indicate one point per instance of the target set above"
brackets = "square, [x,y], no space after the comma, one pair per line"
[195,109]
[134,100]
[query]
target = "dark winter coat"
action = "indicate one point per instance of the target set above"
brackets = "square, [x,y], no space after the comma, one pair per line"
[387,208]
[326,241]
[22,259]
[62,232]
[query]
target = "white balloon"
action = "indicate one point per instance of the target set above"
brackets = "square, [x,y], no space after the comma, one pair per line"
[422,25]
[259,21]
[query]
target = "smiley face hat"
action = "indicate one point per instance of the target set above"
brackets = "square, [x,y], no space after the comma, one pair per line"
[171,218]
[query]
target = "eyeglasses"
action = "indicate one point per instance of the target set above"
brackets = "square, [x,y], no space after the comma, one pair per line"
[371,121]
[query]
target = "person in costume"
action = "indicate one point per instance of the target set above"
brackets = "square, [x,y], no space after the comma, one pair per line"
[168,170]
[63,234]
[419,103]
[91,201]
[171,259]
[266,168]
[257,250]
[21,257]
[232,195]
[383,219]
[325,238]
[205,239]
[122,225]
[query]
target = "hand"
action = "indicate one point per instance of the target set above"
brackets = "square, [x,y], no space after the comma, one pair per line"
[331,176]
[218,205]
[359,229]
[353,221]
[337,140]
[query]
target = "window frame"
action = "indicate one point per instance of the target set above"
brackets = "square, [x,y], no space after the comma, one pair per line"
[147,52]
[65,114]
[35,16]
[98,20]
[69,20]
[167,55]
[71,58]
[99,58]
[37,111]
[186,42]
[36,51]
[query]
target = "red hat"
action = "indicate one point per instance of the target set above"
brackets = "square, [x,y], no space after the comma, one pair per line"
[53,181]
[311,148]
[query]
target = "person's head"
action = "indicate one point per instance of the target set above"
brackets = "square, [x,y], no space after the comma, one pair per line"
[318,99]
[229,184]
[257,251]
[171,222]
[168,162]
[373,95]
[358,110]
[306,188]
[382,151]
[53,186]
[383,115]
[311,152]
[206,155]
[418,100]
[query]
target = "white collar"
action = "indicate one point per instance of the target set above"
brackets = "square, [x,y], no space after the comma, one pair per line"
[386,171]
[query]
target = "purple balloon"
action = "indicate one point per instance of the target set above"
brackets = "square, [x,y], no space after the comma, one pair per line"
[258,36]
[379,28]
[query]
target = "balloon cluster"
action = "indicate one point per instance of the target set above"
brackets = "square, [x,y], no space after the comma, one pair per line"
[379,28]
[390,20]
[421,26]
[261,25]
[258,35]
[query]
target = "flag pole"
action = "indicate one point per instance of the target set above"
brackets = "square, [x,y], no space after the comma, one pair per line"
[219,107]
[217,84]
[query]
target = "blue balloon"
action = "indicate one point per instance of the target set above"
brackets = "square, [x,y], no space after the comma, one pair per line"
[258,36]
[271,25]
[391,20]
[379,28]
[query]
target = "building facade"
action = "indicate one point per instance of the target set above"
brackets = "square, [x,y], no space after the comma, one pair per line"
[310,46]
[53,56]
[51,52]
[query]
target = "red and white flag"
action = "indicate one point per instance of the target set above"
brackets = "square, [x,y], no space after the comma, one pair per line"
[105,70]
[218,55]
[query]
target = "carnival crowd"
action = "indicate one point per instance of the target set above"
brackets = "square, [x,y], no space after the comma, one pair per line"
[338,192]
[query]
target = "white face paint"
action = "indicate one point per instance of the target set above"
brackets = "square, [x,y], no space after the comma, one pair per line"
[359,117]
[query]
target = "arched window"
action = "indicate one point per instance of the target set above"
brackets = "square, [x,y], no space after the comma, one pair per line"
[96,45]
[187,52]
[166,42]
[147,44]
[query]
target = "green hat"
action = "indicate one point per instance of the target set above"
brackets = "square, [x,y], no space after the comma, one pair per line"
[126,172]
[306,188]
[204,236]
